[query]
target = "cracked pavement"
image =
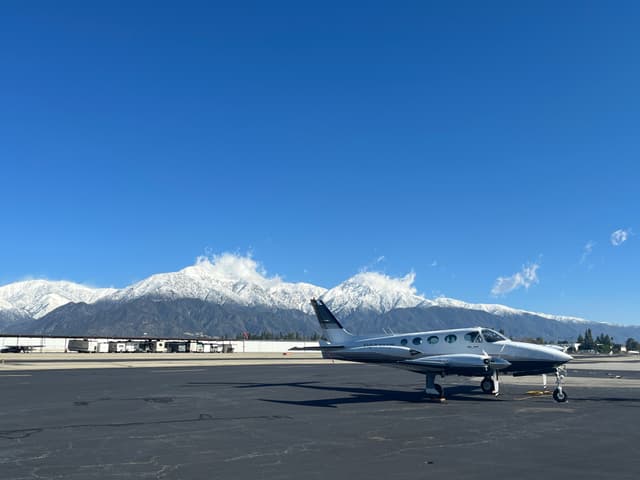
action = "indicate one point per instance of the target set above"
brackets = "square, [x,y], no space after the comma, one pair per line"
[308,421]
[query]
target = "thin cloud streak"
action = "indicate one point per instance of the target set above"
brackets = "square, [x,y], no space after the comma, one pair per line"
[524,278]
[587,250]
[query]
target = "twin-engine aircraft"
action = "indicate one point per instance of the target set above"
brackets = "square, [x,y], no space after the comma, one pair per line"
[475,352]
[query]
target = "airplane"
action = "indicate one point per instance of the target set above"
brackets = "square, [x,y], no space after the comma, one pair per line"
[475,352]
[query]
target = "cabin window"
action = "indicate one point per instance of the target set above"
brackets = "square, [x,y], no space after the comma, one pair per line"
[417,341]
[492,335]
[450,338]
[403,341]
[433,339]
[473,337]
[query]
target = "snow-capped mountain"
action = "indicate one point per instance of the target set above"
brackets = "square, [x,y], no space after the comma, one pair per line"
[229,294]
[229,279]
[36,298]
[375,292]
[501,310]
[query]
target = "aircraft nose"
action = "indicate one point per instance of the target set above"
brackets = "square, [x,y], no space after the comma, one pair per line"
[540,353]
[563,357]
[557,356]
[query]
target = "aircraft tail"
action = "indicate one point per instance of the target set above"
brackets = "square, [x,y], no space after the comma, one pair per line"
[331,328]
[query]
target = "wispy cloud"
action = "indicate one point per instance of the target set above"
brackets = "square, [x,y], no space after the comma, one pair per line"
[374,264]
[524,278]
[587,250]
[620,236]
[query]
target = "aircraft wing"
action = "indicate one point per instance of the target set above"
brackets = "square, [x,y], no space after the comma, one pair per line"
[458,363]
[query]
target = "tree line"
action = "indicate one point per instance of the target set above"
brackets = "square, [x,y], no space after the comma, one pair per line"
[604,343]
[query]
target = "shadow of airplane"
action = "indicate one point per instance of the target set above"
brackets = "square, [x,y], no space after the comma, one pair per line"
[358,395]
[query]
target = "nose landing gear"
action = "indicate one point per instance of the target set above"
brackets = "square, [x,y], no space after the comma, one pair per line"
[559,395]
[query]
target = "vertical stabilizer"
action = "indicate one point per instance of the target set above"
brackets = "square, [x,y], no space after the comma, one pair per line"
[331,328]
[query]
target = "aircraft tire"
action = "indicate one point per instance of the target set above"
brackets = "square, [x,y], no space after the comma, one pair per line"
[487,385]
[438,387]
[439,390]
[559,396]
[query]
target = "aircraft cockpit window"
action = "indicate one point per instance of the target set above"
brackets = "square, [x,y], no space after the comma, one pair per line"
[473,337]
[450,338]
[417,341]
[433,339]
[492,336]
[403,341]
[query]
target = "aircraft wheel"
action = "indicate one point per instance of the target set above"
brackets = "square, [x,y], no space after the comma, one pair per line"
[559,395]
[487,385]
[439,389]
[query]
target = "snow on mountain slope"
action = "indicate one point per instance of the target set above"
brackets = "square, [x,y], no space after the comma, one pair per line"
[374,291]
[501,310]
[380,293]
[229,278]
[4,305]
[36,298]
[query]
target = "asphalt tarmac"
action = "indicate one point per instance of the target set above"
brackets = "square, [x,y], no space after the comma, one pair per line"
[308,422]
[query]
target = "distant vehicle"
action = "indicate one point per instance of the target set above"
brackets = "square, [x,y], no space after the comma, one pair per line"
[472,352]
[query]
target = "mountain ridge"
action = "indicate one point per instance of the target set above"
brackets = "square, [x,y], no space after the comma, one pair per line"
[197,298]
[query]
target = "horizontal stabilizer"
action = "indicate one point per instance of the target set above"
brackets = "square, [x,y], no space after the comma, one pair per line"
[316,349]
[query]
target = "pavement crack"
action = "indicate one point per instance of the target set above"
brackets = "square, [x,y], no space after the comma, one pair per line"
[21,433]
[203,417]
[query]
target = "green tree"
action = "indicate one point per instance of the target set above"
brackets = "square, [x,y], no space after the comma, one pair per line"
[603,343]
[589,343]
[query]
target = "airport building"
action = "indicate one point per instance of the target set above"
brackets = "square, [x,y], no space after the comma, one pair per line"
[53,344]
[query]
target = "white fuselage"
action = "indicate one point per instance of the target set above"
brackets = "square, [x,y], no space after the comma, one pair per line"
[522,358]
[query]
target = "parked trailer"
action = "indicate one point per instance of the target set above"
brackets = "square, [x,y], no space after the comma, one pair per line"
[88,346]
[177,347]
[116,347]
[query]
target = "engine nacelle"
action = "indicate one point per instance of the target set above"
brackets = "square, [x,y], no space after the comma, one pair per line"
[464,361]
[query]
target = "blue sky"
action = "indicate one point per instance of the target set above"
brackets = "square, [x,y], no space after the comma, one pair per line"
[490,147]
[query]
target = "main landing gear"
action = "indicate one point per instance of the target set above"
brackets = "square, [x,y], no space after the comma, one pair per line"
[491,384]
[432,389]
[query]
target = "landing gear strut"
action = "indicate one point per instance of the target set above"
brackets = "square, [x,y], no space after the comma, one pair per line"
[432,389]
[559,395]
[491,384]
